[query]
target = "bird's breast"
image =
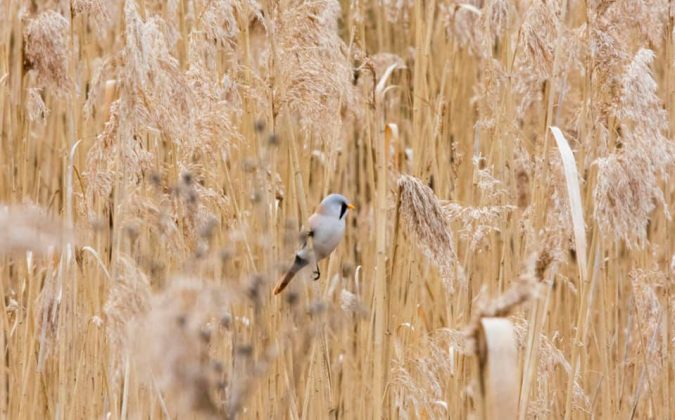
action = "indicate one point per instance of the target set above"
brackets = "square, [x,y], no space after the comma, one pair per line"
[327,233]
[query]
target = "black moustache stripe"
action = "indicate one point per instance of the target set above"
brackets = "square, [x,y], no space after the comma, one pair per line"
[343,210]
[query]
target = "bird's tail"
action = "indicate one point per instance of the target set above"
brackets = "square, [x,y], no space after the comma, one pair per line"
[283,282]
[298,264]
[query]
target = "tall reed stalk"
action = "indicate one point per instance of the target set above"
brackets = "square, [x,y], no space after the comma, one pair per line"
[511,163]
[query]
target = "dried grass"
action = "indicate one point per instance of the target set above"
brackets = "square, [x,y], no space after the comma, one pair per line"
[314,76]
[29,228]
[170,340]
[194,138]
[46,48]
[628,189]
[423,215]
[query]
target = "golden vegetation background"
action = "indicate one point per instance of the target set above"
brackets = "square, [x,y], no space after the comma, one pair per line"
[158,158]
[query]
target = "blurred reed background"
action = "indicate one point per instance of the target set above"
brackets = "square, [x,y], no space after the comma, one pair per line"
[159,158]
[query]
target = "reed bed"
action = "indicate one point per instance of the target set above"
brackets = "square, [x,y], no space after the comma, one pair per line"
[512,165]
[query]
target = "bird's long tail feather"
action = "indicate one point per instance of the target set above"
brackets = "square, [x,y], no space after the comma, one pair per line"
[298,264]
[283,282]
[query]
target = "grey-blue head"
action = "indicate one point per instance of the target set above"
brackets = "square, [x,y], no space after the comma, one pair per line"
[335,205]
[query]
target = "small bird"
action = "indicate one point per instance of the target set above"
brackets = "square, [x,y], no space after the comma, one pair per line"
[326,228]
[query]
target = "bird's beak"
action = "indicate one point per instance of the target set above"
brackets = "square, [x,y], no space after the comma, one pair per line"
[351,206]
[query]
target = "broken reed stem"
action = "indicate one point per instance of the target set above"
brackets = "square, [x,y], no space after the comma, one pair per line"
[499,370]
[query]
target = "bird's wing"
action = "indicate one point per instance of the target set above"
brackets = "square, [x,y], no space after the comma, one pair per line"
[314,221]
[304,236]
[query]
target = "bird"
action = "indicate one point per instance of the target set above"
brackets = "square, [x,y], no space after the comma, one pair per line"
[326,228]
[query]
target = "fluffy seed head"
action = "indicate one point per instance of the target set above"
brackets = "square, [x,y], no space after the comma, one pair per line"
[424,217]
[46,47]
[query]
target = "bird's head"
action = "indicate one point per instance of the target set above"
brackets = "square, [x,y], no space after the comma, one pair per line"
[335,205]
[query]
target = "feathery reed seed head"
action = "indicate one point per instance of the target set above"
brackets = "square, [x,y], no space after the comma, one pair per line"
[424,217]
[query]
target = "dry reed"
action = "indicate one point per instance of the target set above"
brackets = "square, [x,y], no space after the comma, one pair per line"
[509,159]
